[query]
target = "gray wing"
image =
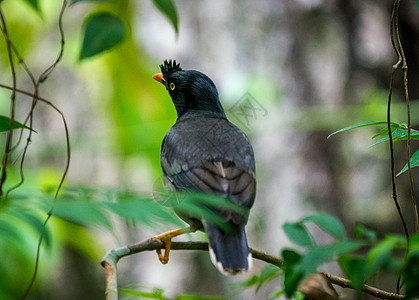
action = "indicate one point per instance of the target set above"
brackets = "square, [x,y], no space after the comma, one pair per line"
[213,156]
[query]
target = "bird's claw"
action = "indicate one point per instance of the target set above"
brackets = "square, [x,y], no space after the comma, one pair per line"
[166,238]
[164,259]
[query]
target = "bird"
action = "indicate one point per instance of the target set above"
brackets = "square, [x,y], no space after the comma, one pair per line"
[204,152]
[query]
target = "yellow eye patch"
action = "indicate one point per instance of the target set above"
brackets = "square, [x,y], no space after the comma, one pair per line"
[172,86]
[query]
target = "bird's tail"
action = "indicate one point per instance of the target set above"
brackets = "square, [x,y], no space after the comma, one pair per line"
[229,251]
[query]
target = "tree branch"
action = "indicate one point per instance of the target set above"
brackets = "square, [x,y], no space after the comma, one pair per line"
[110,261]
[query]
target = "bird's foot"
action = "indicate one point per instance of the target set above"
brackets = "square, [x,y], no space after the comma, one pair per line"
[164,259]
[166,238]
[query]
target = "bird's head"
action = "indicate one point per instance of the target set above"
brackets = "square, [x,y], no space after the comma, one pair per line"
[189,89]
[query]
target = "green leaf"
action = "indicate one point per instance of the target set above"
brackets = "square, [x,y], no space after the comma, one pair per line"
[359,125]
[197,297]
[168,9]
[75,1]
[379,257]
[414,242]
[209,207]
[145,211]
[290,257]
[34,4]
[399,134]
[82,213]
[410,271]
[10,232]
[362,232]
[102,32]
[292,279]
[328,224]
[321,254]
[411,275]
[293,273]
[5,124]
[36,224]
[154,294]
[297,267]
[298,234]
[384,131]
[268,273]
[414,162]
[276,294]
[355,268]
[299,295]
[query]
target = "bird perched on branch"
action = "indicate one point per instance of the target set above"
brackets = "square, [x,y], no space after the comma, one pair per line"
[206,153]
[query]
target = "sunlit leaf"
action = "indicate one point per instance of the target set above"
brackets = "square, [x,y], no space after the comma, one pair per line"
[9,231]
[298,234]
[197,297]
[328,224]
[276,294]
[168,9]
[36,224]
[384,131]
[299,296]
[34,4]
[414,162]
[103,31]
[399,134]
[361,124]
[75,1]
[5,124]
[154,294]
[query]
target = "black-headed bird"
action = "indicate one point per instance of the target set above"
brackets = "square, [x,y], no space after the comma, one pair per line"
[204,152]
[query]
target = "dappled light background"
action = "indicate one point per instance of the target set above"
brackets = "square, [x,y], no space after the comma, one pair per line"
[309,68]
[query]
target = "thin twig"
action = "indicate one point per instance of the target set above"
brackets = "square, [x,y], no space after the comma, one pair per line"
[370,290]
[394,21]
[402,58]
[393,169]
[110,261]
[5,160]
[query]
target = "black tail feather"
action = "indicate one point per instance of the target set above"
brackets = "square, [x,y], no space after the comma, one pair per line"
[229,251]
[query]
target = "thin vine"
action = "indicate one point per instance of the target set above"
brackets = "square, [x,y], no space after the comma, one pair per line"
[35,98]
[397,46]
[5,160]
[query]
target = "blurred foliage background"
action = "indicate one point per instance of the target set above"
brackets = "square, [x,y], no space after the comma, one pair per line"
[312,67]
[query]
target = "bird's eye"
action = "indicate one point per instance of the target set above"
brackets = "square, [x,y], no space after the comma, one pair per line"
[172,86]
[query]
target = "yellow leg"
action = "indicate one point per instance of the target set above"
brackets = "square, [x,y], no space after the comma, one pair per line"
[166,238]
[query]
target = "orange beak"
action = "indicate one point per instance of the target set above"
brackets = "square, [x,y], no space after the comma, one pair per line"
[159,77]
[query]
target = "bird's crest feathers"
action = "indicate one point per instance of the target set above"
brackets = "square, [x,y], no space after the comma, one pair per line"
[168,67]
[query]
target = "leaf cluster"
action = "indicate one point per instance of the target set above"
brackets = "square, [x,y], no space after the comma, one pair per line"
[360,259]
[399,132]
